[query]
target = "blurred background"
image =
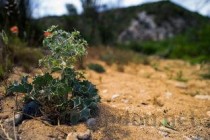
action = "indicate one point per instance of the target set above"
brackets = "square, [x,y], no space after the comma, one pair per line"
[174,29]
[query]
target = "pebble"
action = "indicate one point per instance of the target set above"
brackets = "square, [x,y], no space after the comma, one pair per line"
[105,91]
[32,109]
[18,119]
[79,136]
[181,85]
[197,138]
[115,96]
[72,136]
[202,97]
[84,136]
[91,122]
[125,101]
[165,134]
[168,95]
[168,130]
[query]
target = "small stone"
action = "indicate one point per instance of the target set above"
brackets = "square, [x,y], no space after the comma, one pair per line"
[182,118]
[84,136]
[181,85]
[32,109]
[105,91]
[115,96]
[165,134]
[91,122]
[3,116]
[125,101]
[137,121]
[72,136]
[168,95]
[202,97]
[18,119]
[130,124]
[197,138]
[168,130]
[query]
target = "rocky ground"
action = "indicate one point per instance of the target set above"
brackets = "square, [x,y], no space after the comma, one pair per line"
[166,99]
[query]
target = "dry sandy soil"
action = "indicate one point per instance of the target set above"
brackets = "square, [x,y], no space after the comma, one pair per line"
[135,101]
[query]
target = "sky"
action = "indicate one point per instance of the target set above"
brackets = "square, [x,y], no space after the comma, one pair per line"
[58,7]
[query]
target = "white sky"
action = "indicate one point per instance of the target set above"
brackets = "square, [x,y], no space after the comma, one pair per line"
[57,7]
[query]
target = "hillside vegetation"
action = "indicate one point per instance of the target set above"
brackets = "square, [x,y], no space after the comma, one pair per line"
[112,22]
[189,41]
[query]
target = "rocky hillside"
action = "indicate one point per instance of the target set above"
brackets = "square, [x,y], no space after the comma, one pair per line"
[144,27]
[152,21]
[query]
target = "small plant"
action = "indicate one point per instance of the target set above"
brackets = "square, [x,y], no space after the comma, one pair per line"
[206,75]
[155,66]
[96,67]
[179,77]
[70,98]
[165,123]
[14,51]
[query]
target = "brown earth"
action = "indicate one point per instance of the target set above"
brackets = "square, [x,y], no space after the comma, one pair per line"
[135,100]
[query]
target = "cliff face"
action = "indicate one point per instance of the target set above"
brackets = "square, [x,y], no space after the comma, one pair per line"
[144,27]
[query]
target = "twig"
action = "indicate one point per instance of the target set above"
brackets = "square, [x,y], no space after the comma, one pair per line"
[4,131]
[14,126]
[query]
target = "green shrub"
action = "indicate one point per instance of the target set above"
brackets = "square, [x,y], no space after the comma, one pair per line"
[70,98]
[179,77]
[26,57]
[96,67]
[192,46]
[206,75]
[16,52]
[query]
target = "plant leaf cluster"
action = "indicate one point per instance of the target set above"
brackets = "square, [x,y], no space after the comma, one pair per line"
[67,99]
[65,48]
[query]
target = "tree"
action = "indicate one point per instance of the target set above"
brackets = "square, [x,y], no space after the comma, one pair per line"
[25,8]
[12,12]
[71,9]
[19,12]
[91,17]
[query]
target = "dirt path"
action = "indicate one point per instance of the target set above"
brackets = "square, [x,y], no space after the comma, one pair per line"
[135,102]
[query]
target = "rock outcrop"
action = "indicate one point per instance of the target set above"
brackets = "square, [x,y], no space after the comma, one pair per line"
[144,27]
